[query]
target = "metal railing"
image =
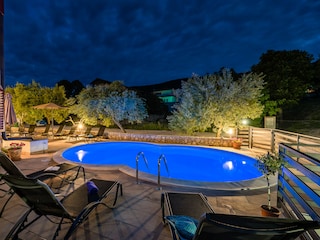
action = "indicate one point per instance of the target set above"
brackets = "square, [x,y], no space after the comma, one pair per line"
[299,187]
[137,164]
[162,157]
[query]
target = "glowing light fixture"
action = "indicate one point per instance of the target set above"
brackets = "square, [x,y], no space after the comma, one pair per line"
[81,154]
[245,121]
[230,132]
[228,165]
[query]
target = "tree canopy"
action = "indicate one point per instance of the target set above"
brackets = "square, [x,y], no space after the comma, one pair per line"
[25,97]
[217,101]
[288,74]
[107,104]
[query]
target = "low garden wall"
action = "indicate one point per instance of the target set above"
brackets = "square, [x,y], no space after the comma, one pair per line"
[173,139]
[31,146]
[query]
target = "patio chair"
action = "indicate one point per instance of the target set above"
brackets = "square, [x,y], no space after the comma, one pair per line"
[59,173]
[74,208]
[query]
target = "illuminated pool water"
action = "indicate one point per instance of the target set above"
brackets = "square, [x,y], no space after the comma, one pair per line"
[190,163]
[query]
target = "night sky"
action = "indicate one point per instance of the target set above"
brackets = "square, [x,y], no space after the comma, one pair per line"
[142,42]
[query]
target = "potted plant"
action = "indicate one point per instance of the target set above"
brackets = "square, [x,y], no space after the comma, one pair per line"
[14,151]
[269,164]
[236,143]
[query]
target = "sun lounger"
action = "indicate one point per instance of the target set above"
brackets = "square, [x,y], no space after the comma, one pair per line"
[226,226]
[181,212]
[46,130]
[98,136]
[75,207]
[61,173]
[184,203]
[59,133]
[79,135]
[30,132]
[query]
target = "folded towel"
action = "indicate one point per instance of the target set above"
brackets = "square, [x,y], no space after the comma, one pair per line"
[92,188]
[92,192]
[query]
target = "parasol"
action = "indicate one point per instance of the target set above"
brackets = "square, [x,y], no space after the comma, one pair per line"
[9,113]
[49,106]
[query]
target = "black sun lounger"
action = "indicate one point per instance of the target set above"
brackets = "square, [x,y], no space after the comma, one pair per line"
[74,207]
[227,226]
[181,212]
[65,172]
[184,204]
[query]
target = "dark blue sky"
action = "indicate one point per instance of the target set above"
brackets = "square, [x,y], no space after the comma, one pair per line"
[142,42]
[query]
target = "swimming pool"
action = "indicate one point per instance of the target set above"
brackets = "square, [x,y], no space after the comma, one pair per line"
[183,163]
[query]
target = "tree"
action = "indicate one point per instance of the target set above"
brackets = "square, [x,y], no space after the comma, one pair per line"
[109,103]
[288,74]
[217,101]
[25,97]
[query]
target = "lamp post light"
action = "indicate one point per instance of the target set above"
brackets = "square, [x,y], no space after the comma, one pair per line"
[245,121]
[80,127]
[230,132]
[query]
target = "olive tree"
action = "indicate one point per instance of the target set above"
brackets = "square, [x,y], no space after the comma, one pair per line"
[109,103]
[217,101]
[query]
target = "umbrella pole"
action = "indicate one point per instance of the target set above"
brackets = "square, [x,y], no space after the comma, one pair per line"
[52,128]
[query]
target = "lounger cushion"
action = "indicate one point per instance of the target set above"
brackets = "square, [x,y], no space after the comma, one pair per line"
[186,226]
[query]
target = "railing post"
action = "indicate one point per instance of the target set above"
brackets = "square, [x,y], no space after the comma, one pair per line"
[272,141]
[159,165]
[250,137]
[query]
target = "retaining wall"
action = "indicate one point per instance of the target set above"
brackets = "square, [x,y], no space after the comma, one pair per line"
[173,139]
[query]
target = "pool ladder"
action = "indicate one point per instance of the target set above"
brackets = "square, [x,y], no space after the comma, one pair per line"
[137,164]
[162,157]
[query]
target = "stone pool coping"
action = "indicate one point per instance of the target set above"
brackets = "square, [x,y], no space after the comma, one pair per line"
[255,184]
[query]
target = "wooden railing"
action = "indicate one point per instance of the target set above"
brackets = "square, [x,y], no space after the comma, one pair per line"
[269,140]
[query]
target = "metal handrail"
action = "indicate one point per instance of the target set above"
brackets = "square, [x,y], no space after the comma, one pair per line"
[137,164]
[162,157]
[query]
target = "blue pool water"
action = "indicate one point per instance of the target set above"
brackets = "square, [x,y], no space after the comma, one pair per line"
[190,163]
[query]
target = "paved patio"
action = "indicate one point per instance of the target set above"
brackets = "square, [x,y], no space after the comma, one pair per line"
[137,214]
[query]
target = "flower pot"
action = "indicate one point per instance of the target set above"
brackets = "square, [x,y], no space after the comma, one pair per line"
[236,145]
[269,212]
[15,154]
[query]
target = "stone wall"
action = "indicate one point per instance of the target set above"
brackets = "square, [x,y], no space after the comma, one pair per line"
[173,139]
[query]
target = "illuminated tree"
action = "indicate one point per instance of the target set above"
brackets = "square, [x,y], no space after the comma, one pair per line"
[109,103]
[25,97]
[217,101]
